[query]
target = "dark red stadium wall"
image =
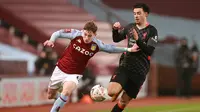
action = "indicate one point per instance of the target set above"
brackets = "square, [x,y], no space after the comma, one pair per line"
[167,81]
[181,8]
[13,68]
[153,80]
[26,27]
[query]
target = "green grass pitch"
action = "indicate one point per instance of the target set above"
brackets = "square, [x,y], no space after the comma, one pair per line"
[189,107]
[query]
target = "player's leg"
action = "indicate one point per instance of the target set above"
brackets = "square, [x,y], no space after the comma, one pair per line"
[69,85]
[117,82]
[122,103]
[131,89]
[114,89]
[52,93]
[54,84]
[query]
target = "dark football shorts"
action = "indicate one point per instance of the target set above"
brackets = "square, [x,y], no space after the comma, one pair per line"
[131,82]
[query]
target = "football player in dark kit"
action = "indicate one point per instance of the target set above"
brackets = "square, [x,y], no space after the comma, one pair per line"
[133,67]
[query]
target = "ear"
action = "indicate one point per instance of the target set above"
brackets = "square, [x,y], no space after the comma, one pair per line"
[146,14]
[95,34]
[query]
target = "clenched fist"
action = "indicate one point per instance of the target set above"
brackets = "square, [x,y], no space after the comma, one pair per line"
[117,25]
[49,43]
[134,48]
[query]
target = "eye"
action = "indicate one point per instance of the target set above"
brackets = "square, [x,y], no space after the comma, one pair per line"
[139,13]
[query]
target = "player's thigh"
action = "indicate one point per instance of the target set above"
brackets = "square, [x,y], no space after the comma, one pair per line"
[68,88]
[117,81]
[70,83]
[54,83]
[56,79]
[133,87]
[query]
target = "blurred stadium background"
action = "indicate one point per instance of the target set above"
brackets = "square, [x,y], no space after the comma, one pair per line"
[25,65]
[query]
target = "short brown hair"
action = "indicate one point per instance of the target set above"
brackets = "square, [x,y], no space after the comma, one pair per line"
[91,26]
[144,6]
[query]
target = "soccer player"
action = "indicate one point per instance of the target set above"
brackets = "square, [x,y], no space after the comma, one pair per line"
[133,67]
[83,46]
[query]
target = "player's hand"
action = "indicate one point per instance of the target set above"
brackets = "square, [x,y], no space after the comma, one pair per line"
[117,26]
[134,48]
[49,43]
[135,34]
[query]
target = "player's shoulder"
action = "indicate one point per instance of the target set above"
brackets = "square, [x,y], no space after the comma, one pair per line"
[74,32]
[71,30]
[152,28]
[98,42]
[128,26]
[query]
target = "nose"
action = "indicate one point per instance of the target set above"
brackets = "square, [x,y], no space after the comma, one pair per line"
[86,38]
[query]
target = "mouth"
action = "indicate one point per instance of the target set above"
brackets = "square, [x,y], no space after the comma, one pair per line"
[86,41]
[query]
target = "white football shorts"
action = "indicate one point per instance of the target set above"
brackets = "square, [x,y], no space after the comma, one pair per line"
[58,78]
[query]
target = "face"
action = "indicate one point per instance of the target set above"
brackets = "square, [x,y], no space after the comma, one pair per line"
[88,36]
[139,15]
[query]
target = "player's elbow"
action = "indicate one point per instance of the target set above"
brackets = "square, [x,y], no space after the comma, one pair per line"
[149,53]
[56,34]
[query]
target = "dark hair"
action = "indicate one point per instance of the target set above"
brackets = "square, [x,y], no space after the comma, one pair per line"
[144,6]
[91,26]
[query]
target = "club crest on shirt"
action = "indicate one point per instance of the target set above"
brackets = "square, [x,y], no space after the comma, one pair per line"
[93,47]
[79,41]
[144,35]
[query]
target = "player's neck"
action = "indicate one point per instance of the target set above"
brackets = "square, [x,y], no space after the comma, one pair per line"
[87,42]
[142,25]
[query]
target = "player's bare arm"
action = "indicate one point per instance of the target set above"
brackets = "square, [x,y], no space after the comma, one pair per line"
[64,33]
[114,49]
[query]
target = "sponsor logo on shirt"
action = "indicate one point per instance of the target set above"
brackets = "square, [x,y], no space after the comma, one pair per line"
[82,50]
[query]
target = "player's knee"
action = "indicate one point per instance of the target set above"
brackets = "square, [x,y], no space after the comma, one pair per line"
[114,89]
[50,96]
[66,92]
[68,88]
[51,93]
[111,93]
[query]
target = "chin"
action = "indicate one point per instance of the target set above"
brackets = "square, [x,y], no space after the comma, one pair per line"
[138,23]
